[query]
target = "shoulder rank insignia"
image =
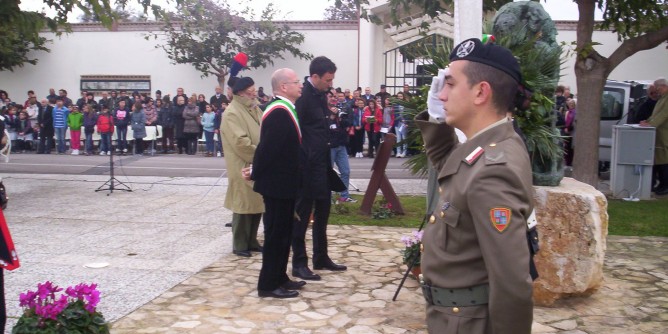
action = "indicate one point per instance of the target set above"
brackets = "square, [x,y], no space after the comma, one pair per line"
[500,218]
[473,157]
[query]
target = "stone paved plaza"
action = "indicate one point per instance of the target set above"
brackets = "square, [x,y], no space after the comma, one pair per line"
[168,266]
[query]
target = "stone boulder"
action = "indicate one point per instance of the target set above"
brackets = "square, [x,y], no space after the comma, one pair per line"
[573,227]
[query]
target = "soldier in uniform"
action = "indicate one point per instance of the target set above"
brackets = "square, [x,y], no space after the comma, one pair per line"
[475,260]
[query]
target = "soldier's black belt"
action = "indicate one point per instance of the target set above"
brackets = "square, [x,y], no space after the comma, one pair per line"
[473,296]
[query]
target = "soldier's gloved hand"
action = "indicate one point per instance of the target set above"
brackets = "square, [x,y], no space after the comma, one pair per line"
[434,105]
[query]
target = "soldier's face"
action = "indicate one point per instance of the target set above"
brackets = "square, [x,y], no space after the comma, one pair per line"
[458,96]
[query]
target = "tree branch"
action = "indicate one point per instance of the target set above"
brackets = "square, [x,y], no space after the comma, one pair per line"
[633,45]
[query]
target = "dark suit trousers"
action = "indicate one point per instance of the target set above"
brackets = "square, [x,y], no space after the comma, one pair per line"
[278,219]
[320,216]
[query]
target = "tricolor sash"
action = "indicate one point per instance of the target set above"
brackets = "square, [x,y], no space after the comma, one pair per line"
[279,103]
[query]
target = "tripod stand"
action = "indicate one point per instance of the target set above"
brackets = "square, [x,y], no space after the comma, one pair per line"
[412,264]
[112,179]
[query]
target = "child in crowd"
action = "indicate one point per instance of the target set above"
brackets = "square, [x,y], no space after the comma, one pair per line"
[105,127]
[75,121]
[24,132]
[208,123]
[121,120]
[89,121]
[138,123]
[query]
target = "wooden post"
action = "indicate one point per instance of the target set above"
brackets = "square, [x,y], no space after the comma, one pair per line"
[379,179]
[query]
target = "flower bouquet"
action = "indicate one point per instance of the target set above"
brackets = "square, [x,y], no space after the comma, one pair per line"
[412,251]
[74,311]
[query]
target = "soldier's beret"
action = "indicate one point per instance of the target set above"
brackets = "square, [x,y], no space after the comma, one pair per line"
[489,54]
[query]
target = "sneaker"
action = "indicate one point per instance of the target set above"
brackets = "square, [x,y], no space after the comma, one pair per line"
[118,150]
[125,150]
[218,154]
[102,153]
[347,199]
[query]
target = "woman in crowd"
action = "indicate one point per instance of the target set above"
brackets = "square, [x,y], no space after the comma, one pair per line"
[569,131]
[138,124]
[371,118]
[24,132]
[357,141]
[89,121]
[400,127]
[177,116]
[191,120]
[201,103]
[388,118]
[166,120]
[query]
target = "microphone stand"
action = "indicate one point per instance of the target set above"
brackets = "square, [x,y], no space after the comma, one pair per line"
[110,182]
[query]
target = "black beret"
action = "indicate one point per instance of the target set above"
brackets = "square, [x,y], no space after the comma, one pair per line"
[489,54]
[242,84]
[231,81]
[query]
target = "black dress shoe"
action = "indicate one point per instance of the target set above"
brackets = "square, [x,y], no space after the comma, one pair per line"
[257,249]
[228,225]
[242,253]
[293,285]
[278,293]
[329,265]
[661,191]
[305,273]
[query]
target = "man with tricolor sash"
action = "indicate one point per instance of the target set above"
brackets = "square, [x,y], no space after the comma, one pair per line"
[275,171]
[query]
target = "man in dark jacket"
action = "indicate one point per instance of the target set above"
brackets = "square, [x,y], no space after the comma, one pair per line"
[275,167]
[46,131]
[315,162]
[338,141]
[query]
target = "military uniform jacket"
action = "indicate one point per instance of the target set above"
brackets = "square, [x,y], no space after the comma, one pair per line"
[240,130]
[477,235]
[659,120]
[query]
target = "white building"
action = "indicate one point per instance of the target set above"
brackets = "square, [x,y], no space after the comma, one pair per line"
[362,51]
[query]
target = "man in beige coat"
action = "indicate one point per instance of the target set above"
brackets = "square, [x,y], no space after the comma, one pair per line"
[475,261]
[659,120]
[240,129]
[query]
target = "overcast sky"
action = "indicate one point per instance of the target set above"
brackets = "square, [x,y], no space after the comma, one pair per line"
[315,9]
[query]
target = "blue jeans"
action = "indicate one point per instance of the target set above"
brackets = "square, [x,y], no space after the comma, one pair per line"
[340,158]
[60,139]
[401,149]
[122,142]
[208,137]
[105,142]
[89,143]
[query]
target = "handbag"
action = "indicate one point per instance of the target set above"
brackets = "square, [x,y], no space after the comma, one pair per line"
[335,183]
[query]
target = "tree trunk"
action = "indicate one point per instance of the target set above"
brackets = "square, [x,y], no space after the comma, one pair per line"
[591,76]
[221,81]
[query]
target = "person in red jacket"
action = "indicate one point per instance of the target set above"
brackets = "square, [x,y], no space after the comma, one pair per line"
[105,127]
[371,119]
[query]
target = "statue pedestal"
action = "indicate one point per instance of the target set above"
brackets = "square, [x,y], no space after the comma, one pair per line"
[573,227]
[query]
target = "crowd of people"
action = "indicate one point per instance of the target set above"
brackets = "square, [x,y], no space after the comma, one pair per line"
[40,125]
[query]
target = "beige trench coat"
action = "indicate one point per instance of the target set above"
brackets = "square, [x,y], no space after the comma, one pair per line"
[659,120]
[464,244]
[240,129]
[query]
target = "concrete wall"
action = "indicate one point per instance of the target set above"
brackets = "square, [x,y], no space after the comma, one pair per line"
[90,50]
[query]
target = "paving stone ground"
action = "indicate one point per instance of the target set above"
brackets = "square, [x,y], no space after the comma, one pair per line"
[171,269]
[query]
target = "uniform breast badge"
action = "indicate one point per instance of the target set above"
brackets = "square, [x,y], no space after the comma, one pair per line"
[500,218]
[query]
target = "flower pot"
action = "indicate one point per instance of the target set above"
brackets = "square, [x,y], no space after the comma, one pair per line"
[416,271]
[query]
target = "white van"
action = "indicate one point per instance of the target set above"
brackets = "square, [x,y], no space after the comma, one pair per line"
[620,99]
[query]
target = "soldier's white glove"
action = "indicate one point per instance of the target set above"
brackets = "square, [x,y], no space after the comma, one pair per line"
[434,105]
